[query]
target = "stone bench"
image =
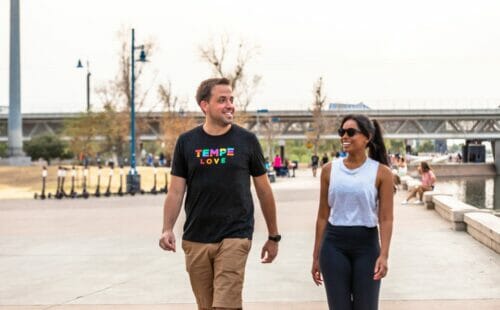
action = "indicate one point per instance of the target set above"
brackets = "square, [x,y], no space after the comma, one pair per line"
[427,199]
[484,227]
[453,210]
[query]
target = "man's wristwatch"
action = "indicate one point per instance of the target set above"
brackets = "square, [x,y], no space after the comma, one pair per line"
[275,238]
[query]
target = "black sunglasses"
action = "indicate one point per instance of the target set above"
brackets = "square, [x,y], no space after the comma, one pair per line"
[350,132]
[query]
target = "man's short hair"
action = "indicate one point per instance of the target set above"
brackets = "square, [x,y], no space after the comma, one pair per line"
[205,89]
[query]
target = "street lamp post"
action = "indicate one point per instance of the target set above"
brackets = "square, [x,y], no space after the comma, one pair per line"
[133,178]
[259,111]
[88,82]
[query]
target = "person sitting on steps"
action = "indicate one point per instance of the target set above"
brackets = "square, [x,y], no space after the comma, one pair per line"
[428,181]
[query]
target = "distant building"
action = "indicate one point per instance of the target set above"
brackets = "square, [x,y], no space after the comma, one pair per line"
[348,106]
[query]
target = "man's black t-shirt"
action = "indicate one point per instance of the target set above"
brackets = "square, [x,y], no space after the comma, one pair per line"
[217,170]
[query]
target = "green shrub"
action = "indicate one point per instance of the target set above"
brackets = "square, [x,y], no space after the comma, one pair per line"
[3,149]
[47,147]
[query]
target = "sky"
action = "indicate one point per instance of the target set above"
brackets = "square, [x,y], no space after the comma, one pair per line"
[389,54]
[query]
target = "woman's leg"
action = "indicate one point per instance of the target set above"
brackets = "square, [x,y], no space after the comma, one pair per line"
[413,193]
[336,270]
[423,189]
[365,289]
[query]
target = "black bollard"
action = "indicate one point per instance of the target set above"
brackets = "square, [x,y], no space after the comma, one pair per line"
[108,190]
[98,188]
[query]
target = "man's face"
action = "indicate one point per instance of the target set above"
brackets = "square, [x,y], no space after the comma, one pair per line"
[220,108]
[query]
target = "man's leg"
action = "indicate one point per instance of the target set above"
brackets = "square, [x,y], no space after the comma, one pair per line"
[199,265]
[229,273]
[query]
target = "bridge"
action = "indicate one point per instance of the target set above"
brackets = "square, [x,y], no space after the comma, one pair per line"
[468,124]
[473,124]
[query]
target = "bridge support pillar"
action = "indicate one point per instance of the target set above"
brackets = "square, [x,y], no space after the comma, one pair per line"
[495,147]
[15,131]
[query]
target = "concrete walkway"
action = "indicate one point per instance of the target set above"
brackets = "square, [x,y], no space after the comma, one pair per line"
[103,254]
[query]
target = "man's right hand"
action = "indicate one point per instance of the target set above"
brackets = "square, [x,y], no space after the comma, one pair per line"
[167,241]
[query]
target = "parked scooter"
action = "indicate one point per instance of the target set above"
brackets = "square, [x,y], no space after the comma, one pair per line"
[61,174]
[98,188]
[44,178]
[165,189]
[108,189]
[72,192]
[154,191]
[85,193]
[120,189]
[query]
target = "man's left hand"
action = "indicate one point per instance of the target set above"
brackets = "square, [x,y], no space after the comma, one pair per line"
[269,252]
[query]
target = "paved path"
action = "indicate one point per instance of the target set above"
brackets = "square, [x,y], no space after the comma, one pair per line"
[102,254]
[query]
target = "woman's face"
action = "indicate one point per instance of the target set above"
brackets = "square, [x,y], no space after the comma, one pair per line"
[356,143]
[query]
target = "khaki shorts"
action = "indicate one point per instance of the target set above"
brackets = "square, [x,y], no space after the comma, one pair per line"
[217,271]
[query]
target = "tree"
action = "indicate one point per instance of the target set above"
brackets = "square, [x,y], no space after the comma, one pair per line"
[82,132]
[243,84]
[174,121]
[111,126]
[318,124]
[3,149]
[116,99]
[426,146]
[47,147]
[395,145]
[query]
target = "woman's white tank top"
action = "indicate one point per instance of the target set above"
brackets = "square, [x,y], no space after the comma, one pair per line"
[353,195]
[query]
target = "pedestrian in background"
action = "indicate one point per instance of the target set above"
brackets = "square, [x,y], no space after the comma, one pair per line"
[428,179]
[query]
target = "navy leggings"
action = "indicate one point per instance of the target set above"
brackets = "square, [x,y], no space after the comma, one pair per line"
[347,261]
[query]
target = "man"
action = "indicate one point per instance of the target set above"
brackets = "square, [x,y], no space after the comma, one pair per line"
[314,163]
[324,159]
[214,162]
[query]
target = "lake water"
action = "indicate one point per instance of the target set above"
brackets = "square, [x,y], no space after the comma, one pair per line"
[481,192]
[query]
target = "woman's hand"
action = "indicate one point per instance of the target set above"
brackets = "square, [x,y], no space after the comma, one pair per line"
[380,268]
[316,273]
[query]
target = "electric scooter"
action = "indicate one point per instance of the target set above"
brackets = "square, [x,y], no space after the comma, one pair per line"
[72,192]
[98,188]
[44,177]
[120,189]
[108,190]
[85,193]
[165,189]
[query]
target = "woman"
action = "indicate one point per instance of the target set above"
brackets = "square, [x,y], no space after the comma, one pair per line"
[428,180]
[402,167]
[277,165]
[356,195]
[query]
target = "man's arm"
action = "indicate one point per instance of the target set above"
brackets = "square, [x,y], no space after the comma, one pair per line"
[171,210]
[268,206]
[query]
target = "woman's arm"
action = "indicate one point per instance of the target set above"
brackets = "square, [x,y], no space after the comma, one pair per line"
[386,205]
[321,221]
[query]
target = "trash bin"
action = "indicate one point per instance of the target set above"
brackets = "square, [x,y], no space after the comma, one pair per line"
[133,183]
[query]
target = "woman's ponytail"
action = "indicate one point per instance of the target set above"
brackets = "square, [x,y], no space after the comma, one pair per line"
[376,145]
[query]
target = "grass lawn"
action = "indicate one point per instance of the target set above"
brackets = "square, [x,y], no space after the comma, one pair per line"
[24,182]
